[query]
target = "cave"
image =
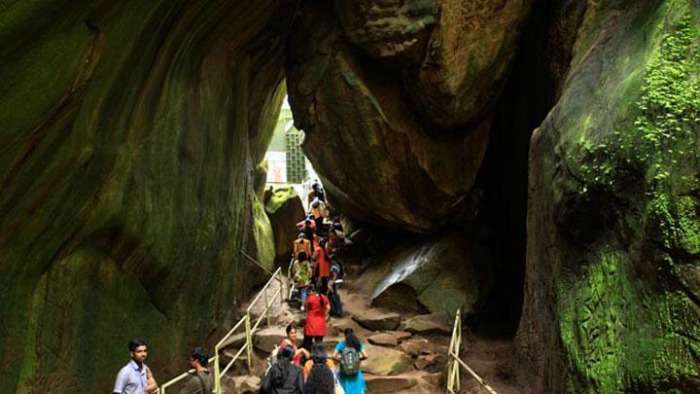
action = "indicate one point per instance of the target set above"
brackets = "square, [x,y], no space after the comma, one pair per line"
[533,164]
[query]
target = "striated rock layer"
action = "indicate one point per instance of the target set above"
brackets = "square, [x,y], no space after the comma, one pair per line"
[612,296]
[129,134]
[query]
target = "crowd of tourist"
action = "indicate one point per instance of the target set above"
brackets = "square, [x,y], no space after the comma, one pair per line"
[316,273]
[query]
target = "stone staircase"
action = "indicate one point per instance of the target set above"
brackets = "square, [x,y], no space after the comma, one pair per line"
[406,353]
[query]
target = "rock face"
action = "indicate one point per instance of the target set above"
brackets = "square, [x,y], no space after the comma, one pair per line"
[398,134]
[436,276]
[130,133]
[284,208]
[612,290]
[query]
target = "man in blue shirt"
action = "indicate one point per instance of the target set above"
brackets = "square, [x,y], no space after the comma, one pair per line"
[135,377]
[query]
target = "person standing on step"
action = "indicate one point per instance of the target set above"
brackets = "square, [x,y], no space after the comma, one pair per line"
[302,276]
[349,353]
[291,341]
[315,192]
[333,287]
[318,209]
[322,265]
[319,377]
[201,380]
[308,227]
[283,377]
[317,308]
[301,244]
[135,377]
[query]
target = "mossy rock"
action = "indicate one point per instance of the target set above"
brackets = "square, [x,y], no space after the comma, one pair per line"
[285,210]
[611,292]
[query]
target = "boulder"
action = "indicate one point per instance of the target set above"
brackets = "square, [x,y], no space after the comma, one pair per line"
[415,346]
[375,320]
[427,324]
[434,379]
[401,335]
[267,338]
[385,361]
[389,384]
[246,384]
[234,341]
[466,60]
[438,275]
[284,208]
[383,339]
[420,175]
[433,362]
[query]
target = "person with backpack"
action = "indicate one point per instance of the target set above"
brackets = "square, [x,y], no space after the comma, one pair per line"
[283,377]
[349,353]
[318,372]
[302,273]
[317,308]
[302,245]
[201,380]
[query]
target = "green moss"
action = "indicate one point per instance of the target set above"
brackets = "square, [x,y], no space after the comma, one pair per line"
[620,337]
[279,196]
[264,238]
[628,323]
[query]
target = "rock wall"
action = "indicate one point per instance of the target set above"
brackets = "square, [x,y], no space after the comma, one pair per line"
[396,99]
[612,290]
[130,132]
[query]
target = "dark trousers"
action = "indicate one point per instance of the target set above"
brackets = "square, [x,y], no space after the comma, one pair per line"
[309,341]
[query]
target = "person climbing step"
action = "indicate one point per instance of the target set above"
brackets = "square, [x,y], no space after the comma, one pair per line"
[317,308]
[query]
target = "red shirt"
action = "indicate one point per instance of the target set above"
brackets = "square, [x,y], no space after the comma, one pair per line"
[316,315]
[296,358]
[324,268]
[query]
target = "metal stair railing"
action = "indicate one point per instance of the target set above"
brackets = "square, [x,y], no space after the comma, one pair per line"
[250,328]
[454,362]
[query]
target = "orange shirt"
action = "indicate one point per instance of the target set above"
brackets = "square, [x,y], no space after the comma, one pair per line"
[324,267]
[310,364]
[302,245]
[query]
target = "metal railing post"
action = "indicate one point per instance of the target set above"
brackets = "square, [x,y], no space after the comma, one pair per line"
[267,306]
[283,287]
[458,346]
[217,372]
[248,342]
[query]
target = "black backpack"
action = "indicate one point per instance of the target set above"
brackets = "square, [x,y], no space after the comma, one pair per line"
[349,361]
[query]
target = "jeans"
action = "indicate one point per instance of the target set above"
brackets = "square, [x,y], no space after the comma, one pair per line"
[303,291]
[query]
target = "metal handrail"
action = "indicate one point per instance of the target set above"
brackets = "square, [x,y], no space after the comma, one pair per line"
[244,321]
[454,362]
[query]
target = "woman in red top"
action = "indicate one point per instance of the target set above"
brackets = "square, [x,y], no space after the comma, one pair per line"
[317,308]
[322,266]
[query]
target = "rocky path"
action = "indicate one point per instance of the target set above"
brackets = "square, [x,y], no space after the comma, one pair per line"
[407,353]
